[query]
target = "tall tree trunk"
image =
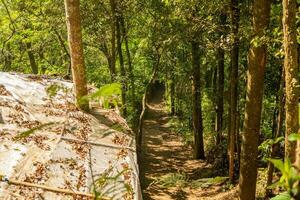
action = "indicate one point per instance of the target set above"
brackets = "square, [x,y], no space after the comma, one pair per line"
[277,129]
[130,69]
[220,88]
[196,96]
[257,58]
[233,85]
[7,59]
[172,93]
[123,72]
[237,138]
[76,52]
[33,65]
[67,54]
[214,97]
[112,60]
[291,75]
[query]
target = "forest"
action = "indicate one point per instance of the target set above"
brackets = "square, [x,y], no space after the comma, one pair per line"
[210,89]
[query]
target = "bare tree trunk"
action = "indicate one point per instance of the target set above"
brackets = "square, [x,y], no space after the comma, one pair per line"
[33,65]
[277,130]
[172,93]
[257,58]
[220,88]
[62,43]
[291,75]
[112,60]
[237,138]
[7,59]
[130,68]
[233,85]
[214,97]
[76,52]
[122,67]
[196,95]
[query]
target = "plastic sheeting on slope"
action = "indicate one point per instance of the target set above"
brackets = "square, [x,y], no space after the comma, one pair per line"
[64,147]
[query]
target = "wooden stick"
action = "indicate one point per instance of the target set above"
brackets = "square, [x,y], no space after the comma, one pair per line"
[58,190]
[98,144]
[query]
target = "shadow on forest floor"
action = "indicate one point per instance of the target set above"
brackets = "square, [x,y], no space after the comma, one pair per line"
[165,154]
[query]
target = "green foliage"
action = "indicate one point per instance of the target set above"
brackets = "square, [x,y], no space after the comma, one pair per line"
[207,182]
[282,196]
[100,186]
[180,127]
[290,176]
[265,146]
[294,137]
[108,90]
[181,180]
[53,89]
[108,94]
[173,180]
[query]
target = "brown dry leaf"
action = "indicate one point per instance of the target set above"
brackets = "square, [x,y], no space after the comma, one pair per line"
[122,153]
[4,92]
[19,108]
[39,174]
[120,140]
[39,141]
[82,177]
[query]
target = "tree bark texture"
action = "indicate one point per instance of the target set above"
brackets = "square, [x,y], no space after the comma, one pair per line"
[76,51]
[122,67]
[256,69]
[220,88]
[33,65]
[277,130]
[233,85]
[129,63]
[112,60]
[291,75]
[196,96]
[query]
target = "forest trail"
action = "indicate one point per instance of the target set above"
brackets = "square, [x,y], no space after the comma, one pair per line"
[165,154]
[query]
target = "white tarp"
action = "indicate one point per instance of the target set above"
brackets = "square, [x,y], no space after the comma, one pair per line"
[45,140]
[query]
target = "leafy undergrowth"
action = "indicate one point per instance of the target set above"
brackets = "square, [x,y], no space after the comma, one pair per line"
[178,126]
[182,180]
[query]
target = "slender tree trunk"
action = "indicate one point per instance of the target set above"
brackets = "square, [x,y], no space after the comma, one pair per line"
[130,68]
[220,88]
[291,75]
[33,65]
[233,85]
[277,129]
[237,138]
[257,58]
[112,60]
[67,54]
[172,93]
[122,67]
[214,97]
[76,51]
[7,59]
[196,96]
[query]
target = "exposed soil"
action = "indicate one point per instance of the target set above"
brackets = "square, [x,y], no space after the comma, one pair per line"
[164,153]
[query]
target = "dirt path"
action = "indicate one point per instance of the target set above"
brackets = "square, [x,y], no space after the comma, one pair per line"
[164,153]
